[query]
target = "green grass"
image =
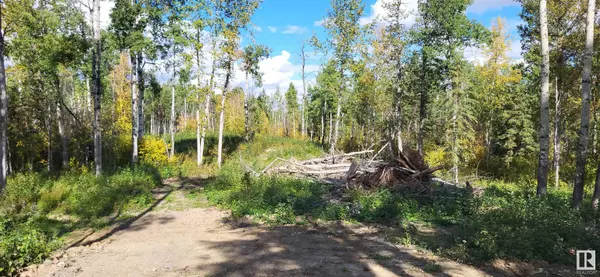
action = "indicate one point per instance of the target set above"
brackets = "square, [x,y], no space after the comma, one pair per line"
[506,221]
[432,268]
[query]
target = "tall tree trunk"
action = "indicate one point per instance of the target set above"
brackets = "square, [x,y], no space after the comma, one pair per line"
[134,110]
[303,56]
[596,195]
[399,109]
[210,119]
[542,174]
[49,133]
[286,129]
[185,112]
[152,123]
[222,116]
[455,137]
[200,126]
[205,123]
[246,112]
[337,122]
[329,137]
[557,136]
[97,52]
[323,124]
[89,95]
[423,105]
[64,139]
[172,122]
[586,87]
[140,92]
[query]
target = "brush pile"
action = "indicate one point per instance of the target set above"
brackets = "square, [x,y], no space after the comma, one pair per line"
[358,170]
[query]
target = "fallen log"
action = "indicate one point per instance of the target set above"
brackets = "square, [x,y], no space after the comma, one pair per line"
[427,171]
[336,157]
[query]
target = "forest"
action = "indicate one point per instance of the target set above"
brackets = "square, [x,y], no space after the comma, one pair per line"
[108,117]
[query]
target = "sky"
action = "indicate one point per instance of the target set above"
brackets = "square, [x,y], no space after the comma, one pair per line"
[283,25]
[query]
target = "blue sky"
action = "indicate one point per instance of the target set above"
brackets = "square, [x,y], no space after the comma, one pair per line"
[284,24]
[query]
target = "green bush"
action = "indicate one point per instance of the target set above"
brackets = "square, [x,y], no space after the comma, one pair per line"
[27,234]
[52,197]
[21,193]
[21,245]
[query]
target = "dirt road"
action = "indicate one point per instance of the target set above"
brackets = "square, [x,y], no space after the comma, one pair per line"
[200,242]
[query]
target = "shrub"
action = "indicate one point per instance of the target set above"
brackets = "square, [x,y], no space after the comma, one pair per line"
[52,197]
[21,244]
[21,193]
[153,151]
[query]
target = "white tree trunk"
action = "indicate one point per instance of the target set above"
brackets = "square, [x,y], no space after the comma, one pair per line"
[542,174]
[134,110]
[221,126]
[172,122]
[63,136]
[246,110]
[152,123]
[557,135]
[222,116]
[586,87]
[3,116]
[337,124]
[140,96]
[97,88]
[185,113]
[303,56]
[198,139]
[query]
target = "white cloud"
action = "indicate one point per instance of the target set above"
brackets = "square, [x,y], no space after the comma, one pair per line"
[319,23]
[514,53]
[477,55]
[258,29]
[293,29]
[474,55]
[272,29]
[278,71]
[481,6]
[379,13]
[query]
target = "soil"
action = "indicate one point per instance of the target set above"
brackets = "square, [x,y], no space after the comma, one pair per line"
[204,242]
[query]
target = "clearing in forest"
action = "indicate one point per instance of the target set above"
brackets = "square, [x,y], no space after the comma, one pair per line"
[176,239]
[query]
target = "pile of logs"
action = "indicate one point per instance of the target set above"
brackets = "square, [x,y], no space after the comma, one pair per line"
[358,170]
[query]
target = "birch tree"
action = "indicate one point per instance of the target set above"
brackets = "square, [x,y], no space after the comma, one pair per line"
[542,174]
[96,86]
[586,87]
[237,17]
[3,108]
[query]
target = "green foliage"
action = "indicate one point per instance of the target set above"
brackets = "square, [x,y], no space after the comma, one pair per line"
[27,234]
[21,246]
[505,221]
[21,193]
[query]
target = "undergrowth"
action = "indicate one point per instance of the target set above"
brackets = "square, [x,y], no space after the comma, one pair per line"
[505,221]
[36,210]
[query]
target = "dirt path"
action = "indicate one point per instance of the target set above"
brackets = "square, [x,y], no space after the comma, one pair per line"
[199,242]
